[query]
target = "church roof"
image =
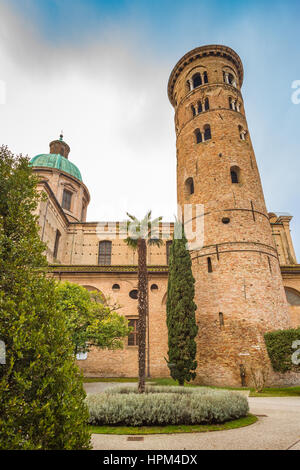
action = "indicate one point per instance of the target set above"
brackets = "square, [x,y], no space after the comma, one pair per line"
[53,160]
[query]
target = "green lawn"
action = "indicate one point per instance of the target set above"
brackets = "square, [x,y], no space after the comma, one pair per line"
[268,392]
[171,429]
[277,392]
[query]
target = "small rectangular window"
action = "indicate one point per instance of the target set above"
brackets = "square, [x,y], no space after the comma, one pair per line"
[221,319]
[66,200]
[104,257]
[132,337]
[209,265]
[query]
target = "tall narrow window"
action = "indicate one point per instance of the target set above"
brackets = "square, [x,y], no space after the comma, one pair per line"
[209,265]
[207,132]
[205,78]
[66,200]
[104,257]
[132,337]
[206,104]
[234,176]
[235,173]
[168,248]
[56,244]
[198,136]
[189,186]
[221,319]
[199,107]
[230,103]
[193,110]
[197,80]
[242,133]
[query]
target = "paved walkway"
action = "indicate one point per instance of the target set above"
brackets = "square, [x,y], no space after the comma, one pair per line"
[278,430]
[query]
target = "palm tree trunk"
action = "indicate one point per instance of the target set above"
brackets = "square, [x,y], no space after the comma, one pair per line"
[142,308]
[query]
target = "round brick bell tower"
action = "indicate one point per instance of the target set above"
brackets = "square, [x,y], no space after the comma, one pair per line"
[238,290]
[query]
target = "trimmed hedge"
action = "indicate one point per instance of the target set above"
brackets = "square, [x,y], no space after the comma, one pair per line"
[165,405]
[279,347]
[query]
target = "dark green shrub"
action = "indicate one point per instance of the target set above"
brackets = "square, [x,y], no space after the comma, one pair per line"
[280,350]
[181,321]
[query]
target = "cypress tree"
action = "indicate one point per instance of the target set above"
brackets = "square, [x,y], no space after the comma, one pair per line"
[181,308]
[41,394]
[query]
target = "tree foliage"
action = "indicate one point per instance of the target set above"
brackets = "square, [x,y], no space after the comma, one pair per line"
[90,319]
[41,394]
[181,322]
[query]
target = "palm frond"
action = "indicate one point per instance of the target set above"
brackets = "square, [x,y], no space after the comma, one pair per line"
[155,241]
[131,242]
[132,217]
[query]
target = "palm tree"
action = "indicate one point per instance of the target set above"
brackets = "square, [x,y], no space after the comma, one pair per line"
[140,234]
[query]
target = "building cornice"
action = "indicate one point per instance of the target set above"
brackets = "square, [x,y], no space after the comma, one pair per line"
[121,269]
[290,269]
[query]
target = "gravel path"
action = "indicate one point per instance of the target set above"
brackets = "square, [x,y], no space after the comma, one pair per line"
[278,429]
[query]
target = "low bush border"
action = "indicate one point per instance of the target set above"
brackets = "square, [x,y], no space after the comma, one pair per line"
[174,429]
[164,406]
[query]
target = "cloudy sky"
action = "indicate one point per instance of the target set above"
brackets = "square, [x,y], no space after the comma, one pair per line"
[99,70]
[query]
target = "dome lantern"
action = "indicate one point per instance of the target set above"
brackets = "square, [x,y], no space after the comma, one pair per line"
[60,147]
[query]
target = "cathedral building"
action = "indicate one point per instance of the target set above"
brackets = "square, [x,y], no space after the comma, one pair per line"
[246,272]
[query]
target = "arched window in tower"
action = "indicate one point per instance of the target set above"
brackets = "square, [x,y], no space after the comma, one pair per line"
[235,173]
[205,78]
[104,257]
[198,136]
[206,104]
[199,107]
[189,186]
[230,103]
[197,80]
[242,133]
[193,110]
[207,132]
[230,78]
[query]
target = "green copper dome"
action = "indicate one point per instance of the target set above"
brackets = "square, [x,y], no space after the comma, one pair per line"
[53,160]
